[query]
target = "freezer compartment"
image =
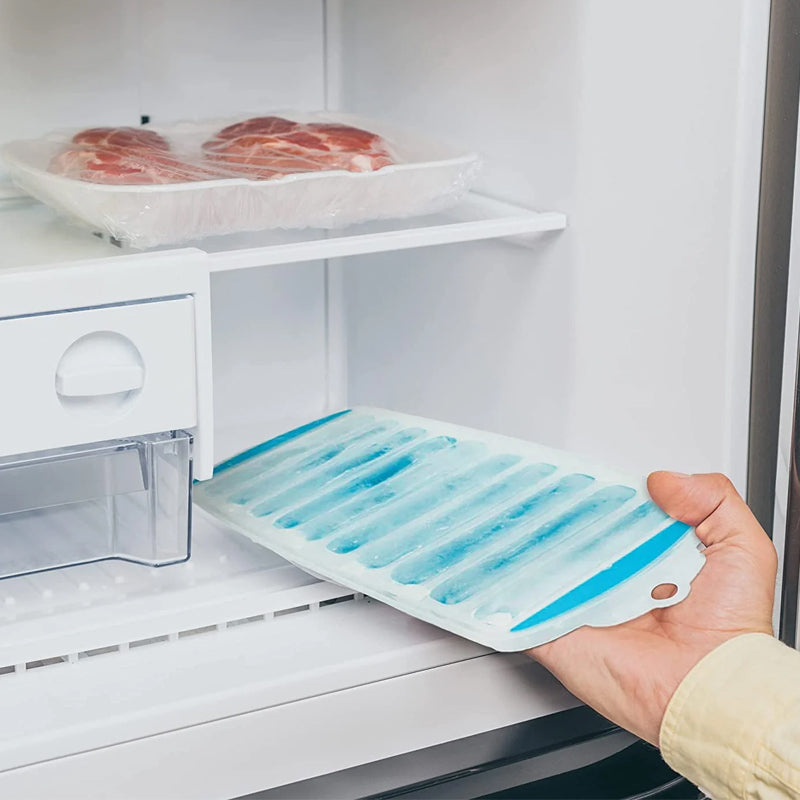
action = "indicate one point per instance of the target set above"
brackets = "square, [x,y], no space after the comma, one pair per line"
[128,499]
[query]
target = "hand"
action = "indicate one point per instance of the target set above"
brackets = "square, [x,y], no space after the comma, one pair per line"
[629,672]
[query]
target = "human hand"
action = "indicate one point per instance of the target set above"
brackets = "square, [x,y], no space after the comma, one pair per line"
[629,672]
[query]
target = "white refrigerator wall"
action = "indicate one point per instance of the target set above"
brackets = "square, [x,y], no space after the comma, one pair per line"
[107,62]
[628,336]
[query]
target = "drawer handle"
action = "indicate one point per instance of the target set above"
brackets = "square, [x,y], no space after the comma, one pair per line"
[93,383]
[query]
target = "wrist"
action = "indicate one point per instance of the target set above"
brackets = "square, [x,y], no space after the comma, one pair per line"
[724,712]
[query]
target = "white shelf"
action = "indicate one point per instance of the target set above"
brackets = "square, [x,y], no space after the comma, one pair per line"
[109,653]
[475,218]
[32,235]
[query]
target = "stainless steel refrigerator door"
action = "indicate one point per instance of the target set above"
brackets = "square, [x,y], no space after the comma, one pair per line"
[773,365]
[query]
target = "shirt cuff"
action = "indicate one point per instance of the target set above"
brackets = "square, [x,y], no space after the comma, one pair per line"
[721,714]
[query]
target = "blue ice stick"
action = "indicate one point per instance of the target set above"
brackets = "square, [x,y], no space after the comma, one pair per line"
[426,565]
[400,541]
[257,460]
[320,505]
[277,441]
[408,482]
[587,551]
[359,458]
[472,580]
[621,570]
[268,481]
[433,494]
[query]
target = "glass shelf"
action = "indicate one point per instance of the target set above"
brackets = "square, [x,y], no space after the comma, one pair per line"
[33,235]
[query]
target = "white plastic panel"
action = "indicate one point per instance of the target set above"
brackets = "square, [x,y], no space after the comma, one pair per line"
[269,351]
[284,743]
[64,64]
[627,337]
[107,653]
[104,373]
[120,281]
[95,62]
[201,58]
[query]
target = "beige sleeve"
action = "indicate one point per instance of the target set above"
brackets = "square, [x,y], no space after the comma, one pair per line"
[733,725]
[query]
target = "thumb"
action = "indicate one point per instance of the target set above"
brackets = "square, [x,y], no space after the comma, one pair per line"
[709,502]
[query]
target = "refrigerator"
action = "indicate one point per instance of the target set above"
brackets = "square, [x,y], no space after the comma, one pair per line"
[601,289]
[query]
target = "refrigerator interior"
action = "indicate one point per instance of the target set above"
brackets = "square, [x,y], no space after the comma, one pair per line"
[625,337]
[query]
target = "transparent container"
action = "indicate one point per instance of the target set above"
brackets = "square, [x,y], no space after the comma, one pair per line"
[128,499]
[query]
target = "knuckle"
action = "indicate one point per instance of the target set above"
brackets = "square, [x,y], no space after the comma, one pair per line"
[723,482]
[723,486]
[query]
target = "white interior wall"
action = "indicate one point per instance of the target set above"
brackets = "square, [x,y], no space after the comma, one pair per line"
[204,58]
[627,336]
[93,62]
[67,64]
[467,332]
[624,337]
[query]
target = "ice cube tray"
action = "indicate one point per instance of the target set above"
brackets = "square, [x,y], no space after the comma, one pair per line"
[507,543]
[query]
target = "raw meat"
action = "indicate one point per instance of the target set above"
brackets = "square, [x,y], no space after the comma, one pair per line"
[260,148]
[117,166]
[123,156]
[127,138]
[269,147]
[268,126]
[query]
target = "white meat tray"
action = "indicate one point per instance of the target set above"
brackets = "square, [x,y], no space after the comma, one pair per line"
[429,177]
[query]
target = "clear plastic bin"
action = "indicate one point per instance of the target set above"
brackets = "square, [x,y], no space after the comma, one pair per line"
[128,499]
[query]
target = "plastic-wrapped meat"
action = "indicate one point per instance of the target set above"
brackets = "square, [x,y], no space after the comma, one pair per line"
[123,156]
[124,138]
[118,166]
[260,148]
[269,147]
[260,157]
[342,146]
[268,126]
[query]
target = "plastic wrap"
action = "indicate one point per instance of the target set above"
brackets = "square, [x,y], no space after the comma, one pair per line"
[171,184]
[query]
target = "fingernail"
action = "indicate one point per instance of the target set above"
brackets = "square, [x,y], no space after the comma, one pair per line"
[681,474]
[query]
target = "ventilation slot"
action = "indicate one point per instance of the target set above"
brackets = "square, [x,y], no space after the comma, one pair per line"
[197,631]
[146,642]
[284,611]
[335,600]
[246,621]
[174,636]
[99,651]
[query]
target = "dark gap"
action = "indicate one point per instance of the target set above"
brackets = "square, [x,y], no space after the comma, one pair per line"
[284,611]
[196,631]
[144,642]
[333,601]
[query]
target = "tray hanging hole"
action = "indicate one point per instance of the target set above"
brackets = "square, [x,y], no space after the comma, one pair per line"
[664,591]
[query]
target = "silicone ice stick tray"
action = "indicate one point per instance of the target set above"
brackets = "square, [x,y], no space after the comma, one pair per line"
[507,543]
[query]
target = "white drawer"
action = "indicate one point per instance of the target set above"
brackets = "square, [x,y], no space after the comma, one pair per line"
[95,374]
